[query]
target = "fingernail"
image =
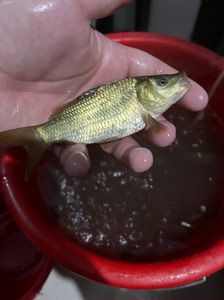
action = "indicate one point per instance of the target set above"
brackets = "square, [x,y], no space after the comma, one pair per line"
[76,164]
[140,159]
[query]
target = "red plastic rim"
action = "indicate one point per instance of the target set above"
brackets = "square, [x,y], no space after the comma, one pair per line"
[41,228]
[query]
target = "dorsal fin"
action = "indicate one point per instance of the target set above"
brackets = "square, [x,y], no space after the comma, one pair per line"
[66,105]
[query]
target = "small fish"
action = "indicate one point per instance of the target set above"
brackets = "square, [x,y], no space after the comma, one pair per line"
[101,115]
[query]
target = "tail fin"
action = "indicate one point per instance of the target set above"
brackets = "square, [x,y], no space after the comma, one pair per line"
[27,138]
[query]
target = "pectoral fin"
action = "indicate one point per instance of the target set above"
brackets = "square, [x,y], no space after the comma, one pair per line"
[106,146]
[153,124]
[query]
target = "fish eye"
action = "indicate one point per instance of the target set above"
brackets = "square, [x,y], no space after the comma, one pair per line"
[162,81]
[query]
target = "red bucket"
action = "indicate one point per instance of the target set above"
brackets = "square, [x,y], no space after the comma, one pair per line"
[32,215]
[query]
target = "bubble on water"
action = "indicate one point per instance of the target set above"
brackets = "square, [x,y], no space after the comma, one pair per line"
[117,174]
[103,163]
[123,181]
[145,185]
[100,237]
[195,145]
[199,154]
[131,237]
[176,142]
[186,224]
[164,220]
[137,246]
[122,240]
[107,226]
[88,237]
[180,117]
[203,209]
[63,185]
[85,236]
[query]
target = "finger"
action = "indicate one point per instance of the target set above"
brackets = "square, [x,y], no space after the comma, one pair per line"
[98,9]
[160,138]
[128,152]
[195,99]
[75,159]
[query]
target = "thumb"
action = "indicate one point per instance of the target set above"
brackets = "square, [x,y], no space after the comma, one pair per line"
[98,9]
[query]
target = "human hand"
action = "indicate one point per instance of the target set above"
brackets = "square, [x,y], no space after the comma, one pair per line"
[50,54]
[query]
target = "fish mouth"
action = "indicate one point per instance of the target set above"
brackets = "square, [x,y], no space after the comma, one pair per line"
[184,81]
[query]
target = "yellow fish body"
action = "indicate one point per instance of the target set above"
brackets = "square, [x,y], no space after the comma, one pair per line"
[103,114]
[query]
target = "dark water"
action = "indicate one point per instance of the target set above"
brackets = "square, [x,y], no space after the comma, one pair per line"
[148,216]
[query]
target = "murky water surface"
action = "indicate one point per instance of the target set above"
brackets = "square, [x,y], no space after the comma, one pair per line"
[120,214]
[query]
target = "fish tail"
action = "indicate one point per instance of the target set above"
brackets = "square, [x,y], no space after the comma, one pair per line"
[27,138]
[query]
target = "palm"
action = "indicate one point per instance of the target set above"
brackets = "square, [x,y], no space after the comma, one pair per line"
[50,54]
[43,59]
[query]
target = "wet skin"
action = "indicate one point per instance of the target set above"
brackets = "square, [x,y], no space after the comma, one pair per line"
[50,54]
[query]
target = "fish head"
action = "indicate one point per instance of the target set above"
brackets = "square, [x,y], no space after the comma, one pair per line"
[157,93]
